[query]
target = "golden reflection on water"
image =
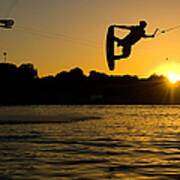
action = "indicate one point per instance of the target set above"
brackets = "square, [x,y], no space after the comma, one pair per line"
[107,142]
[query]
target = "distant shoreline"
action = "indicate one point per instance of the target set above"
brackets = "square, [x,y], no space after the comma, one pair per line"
[22,86]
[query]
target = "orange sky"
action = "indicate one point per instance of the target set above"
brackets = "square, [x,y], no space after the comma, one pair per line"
[58,35]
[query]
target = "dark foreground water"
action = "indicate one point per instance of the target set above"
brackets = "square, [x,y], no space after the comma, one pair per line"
[89,142]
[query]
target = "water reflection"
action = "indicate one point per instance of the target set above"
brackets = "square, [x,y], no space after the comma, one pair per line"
[123,142]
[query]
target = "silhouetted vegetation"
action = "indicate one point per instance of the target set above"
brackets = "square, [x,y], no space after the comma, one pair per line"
[21,85]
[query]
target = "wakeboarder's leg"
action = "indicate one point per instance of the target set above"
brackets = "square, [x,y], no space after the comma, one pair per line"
[119,41]
[125,53]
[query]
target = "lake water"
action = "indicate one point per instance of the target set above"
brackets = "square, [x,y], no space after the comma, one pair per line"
[89,142]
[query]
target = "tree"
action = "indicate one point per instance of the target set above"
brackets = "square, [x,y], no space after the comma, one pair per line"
[28,72]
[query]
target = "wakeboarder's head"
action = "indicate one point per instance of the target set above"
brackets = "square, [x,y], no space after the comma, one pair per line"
[143,24]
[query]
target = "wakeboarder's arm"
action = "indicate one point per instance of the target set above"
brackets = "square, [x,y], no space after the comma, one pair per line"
[148,36]
[151,36]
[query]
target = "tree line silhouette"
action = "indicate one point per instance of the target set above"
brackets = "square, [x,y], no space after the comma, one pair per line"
[21,85]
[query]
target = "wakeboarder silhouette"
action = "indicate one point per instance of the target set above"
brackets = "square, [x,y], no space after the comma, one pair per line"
[136,33]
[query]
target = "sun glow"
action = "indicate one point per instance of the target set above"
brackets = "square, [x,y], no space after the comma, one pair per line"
[171,70]
[173,78]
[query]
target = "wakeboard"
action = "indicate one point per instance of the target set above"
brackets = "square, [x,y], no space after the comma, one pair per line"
[110,47]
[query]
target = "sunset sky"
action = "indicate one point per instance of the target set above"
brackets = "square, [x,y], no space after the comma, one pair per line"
[58,35]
